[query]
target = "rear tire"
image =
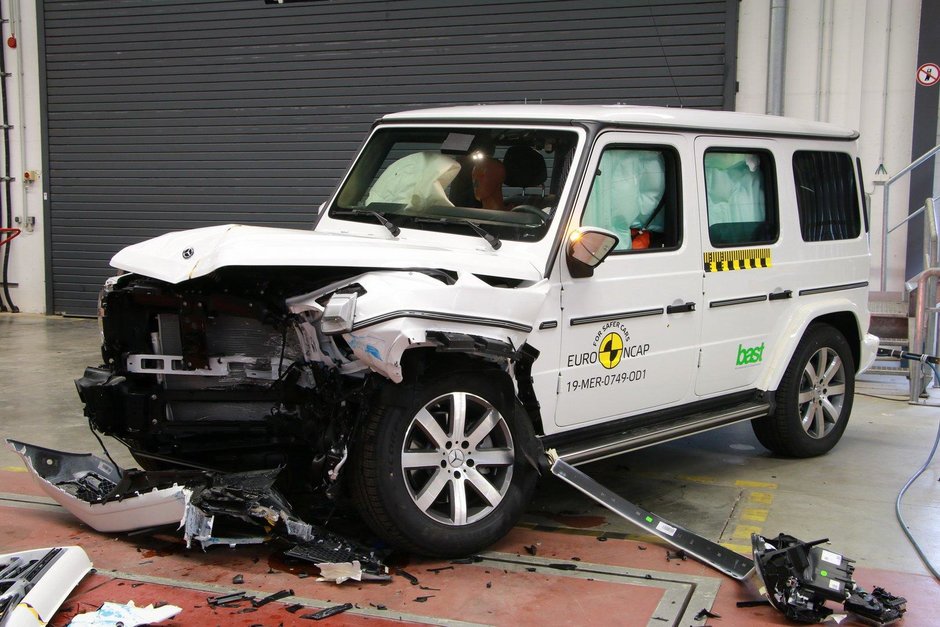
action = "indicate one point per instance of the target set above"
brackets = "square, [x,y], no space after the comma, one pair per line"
[439,466]
[814,399]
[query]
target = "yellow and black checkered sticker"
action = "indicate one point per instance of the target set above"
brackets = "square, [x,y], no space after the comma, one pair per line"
[749,259]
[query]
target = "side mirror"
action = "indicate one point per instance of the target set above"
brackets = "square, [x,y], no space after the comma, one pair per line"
[587,248]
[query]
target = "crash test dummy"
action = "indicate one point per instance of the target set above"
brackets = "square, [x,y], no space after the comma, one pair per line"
[488,176]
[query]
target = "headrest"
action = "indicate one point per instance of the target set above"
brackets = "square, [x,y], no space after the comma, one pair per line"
[525,167]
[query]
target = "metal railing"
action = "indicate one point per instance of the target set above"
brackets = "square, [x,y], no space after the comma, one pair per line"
[924,332]
[884,217]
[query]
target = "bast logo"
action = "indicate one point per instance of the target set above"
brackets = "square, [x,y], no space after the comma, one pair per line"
[750,356]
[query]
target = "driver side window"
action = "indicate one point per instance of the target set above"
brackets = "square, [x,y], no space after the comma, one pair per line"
[635,195]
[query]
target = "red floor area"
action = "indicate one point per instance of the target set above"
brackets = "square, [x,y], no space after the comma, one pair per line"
[510,587]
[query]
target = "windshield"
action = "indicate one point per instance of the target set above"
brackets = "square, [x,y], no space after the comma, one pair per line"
[506,180]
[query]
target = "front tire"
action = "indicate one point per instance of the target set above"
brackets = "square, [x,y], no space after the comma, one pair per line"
[440,469]
[814,399]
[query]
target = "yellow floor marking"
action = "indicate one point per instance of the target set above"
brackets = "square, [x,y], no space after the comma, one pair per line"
[744,531]
[755,515]
[13,469]
[698,479]
[755,484]
[744,549]
[763,498]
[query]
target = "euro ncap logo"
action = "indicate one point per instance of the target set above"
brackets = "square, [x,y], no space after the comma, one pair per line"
[610,350]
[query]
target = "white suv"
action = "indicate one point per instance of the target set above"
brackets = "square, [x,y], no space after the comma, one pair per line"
[491,281]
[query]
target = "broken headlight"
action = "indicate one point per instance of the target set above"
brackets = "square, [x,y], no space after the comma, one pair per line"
[339,313]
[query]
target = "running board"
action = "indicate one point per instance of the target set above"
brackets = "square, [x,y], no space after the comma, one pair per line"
[641,437]
[718,557]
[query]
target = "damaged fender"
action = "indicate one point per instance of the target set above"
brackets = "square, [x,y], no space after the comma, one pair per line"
[390,314]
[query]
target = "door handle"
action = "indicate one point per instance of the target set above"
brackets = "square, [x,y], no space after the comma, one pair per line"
[781,295]
[684,307]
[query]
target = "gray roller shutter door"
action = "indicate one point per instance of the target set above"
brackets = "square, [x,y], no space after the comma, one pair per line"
[166,115]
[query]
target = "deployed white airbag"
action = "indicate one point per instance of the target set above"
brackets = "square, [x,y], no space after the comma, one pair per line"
[417,181]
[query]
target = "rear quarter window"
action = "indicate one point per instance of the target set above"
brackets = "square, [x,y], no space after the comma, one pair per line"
[826,195]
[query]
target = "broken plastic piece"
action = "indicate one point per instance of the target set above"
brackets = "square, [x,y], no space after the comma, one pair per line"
[33,584]
[128,615]
[338,573]
[226,598]
[411,578]
[277,596]
[92,490]
[704,613]
[330,611]
[800,577]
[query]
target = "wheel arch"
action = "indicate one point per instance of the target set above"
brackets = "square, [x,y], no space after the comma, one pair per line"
[844,316]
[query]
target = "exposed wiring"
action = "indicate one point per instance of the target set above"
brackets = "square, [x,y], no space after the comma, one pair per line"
[897,506]
[900,399]
[4,279]
[104,448]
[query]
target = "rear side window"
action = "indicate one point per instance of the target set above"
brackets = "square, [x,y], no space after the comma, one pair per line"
[826,196]
[635,194]
[740,192]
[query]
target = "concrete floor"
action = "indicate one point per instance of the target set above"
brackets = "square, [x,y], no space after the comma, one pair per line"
[721,484]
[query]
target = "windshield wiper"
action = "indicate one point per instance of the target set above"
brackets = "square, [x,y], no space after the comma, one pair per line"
[394,230]
[491,239]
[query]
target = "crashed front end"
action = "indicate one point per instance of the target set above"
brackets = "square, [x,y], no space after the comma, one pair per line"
[259,367]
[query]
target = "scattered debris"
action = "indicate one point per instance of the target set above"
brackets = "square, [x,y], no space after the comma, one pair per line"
[424,598]
[324,547]
[678,555]
[640,547]
[801,576]
[379,606]
[429,588]
[704,613]
[277,596]
[531,569]
[532,549]
[340,572]
[128,615]
[247,610]
[473,559]
[575,559]
[238,579]
[212,507]
[564,566]
[330,611]
[489,584]
[226,598]
[296,607]
[411,578]
[756,603]
[33,584]
[602,538]
[442,568]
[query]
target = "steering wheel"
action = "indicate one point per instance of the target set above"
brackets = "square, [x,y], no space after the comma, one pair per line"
[535,211]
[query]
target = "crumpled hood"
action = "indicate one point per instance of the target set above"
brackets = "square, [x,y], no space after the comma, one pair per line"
[182,255]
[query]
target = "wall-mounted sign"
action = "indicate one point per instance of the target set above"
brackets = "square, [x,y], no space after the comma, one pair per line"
[928,74]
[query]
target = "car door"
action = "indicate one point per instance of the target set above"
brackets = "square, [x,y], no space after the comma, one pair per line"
[630,332]
[744,293]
